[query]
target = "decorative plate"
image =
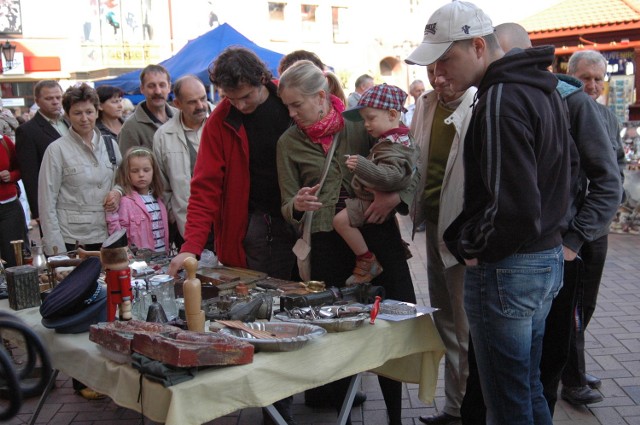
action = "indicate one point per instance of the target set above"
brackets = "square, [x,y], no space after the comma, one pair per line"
[288,336]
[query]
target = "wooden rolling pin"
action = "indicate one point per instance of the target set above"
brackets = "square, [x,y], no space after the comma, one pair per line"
[192,289]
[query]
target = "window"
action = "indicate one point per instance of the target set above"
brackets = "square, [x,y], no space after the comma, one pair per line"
[277,22]
[276,11]
[338,19]
[308,18]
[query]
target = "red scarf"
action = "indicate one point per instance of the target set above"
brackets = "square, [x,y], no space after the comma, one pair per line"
[322,131]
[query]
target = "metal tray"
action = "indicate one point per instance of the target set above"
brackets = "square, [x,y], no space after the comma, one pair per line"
[342,324]
[292,336]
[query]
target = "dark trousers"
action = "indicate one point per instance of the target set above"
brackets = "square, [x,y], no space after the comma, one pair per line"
[267,244]
[558,331]
[594,255]
[176,239]
[12,227]
[332,261]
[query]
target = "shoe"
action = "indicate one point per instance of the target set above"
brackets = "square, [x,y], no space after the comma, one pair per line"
[358,400]
[365,271]
[593,381]
[441,418]
[89,394]
[421,227]
[580,395]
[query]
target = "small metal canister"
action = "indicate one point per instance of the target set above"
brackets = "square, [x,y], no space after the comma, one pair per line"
[23,287]
[162,286]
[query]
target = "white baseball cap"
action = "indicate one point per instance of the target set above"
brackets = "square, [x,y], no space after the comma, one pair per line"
[458,20]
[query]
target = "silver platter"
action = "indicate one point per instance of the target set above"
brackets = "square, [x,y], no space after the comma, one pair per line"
[290,336]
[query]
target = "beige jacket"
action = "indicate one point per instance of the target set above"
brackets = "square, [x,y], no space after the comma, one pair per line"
[171,150]
[451,197]
[72,185]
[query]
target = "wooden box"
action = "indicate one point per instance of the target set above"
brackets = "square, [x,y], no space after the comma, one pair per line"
[23,286]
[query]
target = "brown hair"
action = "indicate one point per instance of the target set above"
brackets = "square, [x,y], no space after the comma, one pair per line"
[122,176]
[79,93]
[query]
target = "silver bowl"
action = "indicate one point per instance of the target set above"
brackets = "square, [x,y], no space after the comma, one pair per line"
[289,336]
[341,324]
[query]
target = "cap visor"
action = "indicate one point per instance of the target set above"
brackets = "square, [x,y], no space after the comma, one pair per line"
[427,53]
[353,114]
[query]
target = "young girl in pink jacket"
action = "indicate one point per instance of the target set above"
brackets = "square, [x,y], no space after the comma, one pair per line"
[141,211]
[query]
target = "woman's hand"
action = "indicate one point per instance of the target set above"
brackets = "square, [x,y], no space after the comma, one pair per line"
[306,199]
[5,176]
[382,205]
[112,201]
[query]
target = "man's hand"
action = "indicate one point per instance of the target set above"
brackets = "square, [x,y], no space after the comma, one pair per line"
[471,261]
[176,263]
[569,255]
[382,205]
[112,201]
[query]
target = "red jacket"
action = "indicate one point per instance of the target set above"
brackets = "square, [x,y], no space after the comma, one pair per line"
[9,162]
[220,188]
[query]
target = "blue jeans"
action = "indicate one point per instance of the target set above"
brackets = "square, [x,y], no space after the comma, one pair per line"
[507,303]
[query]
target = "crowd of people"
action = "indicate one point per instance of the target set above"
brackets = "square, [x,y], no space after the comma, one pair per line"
[514,173]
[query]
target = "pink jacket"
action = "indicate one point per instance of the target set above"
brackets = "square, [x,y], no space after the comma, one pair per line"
[133,216]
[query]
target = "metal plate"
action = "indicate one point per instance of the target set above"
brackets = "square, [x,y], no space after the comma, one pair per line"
[290,336]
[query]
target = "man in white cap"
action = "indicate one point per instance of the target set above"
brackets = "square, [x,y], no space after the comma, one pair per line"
[517,159]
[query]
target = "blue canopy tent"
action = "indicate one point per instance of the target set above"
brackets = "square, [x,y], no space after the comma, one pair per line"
[196,56]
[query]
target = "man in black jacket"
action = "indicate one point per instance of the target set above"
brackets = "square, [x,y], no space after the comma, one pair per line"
[594,200]
[517,158]
[34,136]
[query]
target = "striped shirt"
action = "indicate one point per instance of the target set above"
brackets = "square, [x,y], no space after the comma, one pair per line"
[156,221]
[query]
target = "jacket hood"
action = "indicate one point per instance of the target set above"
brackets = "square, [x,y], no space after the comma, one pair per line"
[522,67]
[568,85]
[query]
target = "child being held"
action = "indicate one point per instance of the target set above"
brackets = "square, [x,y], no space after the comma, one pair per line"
[388,167]
[141,210]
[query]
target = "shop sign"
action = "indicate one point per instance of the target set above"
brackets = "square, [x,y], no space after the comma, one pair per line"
[17,67]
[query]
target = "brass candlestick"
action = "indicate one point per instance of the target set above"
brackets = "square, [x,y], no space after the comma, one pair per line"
[17,250]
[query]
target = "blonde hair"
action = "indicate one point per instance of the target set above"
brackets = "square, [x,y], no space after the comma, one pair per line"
[309,80]
[124,180]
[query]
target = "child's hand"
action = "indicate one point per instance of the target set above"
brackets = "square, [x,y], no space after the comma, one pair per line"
[352,161]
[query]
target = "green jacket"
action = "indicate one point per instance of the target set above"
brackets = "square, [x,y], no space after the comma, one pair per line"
[300,164]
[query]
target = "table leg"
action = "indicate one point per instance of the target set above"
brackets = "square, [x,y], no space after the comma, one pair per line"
[348,399]
[43,397]
[275,415]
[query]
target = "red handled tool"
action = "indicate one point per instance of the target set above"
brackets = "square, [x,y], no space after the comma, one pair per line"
[375,309]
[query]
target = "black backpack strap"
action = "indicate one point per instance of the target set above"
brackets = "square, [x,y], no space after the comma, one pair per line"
[112,153]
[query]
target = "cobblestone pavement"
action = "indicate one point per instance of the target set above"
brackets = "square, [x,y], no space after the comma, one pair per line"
[613,354]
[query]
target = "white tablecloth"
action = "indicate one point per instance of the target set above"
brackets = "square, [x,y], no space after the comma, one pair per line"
[408,351]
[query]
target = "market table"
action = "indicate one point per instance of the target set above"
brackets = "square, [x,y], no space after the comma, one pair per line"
[408,351]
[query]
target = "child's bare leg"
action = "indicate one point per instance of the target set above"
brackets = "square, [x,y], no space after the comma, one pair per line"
[351,235]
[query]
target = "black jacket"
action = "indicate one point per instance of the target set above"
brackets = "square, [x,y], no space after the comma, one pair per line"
[32,139]
[517,159]
[598,189]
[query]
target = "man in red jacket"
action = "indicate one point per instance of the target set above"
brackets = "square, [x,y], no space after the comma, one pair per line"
[235,182]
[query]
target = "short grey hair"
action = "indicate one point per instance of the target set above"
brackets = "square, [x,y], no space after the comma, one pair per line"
[591,57]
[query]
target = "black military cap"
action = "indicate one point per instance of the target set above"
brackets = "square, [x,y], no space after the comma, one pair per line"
[82,320]
[75,292]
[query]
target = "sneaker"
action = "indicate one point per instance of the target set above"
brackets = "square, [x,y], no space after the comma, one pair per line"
[365,271]
[580,395]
